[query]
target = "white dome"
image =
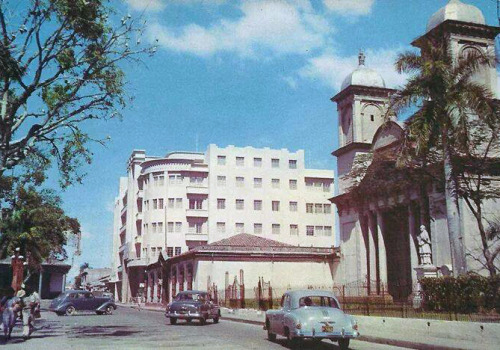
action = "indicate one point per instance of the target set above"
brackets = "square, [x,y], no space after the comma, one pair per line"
[363,76]
[457,11]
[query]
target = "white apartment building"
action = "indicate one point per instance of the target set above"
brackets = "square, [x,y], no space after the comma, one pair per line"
[175,203]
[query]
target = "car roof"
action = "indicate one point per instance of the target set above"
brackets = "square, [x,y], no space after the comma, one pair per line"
[70,291]
[192,292]
[295,295]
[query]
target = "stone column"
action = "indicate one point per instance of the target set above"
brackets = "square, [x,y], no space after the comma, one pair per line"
[372,239]
[365,248]
[382,255]
[413,238]
[155,286]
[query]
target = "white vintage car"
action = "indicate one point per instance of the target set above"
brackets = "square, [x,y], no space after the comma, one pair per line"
[311,314]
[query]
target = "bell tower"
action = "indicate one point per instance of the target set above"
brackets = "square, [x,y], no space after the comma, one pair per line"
[361,107]
[464,28]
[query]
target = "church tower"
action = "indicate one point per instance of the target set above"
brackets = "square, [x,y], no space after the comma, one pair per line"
[361,107]
[464,28]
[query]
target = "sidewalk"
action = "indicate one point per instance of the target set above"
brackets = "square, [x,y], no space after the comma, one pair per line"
[408,333]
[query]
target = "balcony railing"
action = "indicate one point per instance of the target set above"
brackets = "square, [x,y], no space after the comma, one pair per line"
[197,213]
[197,189]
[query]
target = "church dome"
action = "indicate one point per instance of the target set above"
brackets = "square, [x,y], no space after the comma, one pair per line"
[457,11]
[363,76]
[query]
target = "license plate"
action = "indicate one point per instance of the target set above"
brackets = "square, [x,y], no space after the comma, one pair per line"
[327,328]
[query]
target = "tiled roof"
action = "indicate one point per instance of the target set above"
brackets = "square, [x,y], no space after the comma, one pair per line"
[248,240]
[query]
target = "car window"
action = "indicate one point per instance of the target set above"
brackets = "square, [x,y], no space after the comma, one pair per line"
[73,296]
[313,300]
[89,296]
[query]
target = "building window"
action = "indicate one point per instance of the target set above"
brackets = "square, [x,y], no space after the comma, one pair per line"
[372,117]
[195,228]
[221,227]
[153,251]
[221,160]
[257,205]
[221,181]
[292,164]
[318,230]
[221,203]
[153,227]
[170,226]
[159,180]
[155,203]
[294,230]
[240,227]
[318,208]
[326,187]
[310,230]
[327,208]
[178,227]
[178,203]
[327,231]
[257,229]
[257,182]
[171,203]
[160,203]
[293,206]
[276,205]
[177,251]
[292,184]
[276,229]
[309,208]
[275,163]
[257,162]
[160,227]
[171,179]
[275,183]
[195,204]
[170,252]
[240,204]
[196,180]
[240,181]
[240,161]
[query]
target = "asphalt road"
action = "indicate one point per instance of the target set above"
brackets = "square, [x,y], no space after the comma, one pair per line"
[133,329]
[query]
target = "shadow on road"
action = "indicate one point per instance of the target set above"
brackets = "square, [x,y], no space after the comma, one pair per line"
[309,344]
[102,331]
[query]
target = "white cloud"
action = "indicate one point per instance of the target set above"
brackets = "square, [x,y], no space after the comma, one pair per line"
[350,7]
[265,28]
[147,5]
[331,69]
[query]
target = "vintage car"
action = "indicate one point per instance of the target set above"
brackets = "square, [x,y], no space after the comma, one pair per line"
[192,304]
[311,314]
[71,302]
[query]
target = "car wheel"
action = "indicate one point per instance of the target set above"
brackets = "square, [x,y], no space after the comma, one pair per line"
[70,310]
[344,344]
[173,320]
[293,342]
[109,310]
[203,320]
[99,312]
[216,319]
[270,336]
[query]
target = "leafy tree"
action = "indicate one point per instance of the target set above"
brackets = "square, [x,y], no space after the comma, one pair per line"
[35,222]
[59,68]
[448,101]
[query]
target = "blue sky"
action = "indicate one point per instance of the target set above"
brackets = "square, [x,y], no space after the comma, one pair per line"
[257,73]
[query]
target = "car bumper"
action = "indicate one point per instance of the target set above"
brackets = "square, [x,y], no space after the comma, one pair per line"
[341,334]
[184,315]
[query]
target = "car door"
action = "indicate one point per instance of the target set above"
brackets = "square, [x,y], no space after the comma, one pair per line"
[91,302]
[79,301]
[278,317]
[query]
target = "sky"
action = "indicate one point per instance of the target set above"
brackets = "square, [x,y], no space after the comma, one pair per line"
[244,73]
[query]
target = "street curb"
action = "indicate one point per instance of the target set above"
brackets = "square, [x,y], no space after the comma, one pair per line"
[365,338]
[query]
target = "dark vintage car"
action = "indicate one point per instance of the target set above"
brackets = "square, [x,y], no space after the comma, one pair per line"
[71,302]
[192,304]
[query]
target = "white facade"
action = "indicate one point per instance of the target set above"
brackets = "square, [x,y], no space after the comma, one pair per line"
[186,199]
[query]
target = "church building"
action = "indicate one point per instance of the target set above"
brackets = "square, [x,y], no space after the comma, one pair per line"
[378,232]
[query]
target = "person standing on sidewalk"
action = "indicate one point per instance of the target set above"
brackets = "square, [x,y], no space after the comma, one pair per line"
[29,305]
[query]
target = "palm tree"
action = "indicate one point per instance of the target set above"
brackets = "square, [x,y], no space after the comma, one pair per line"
[446,97]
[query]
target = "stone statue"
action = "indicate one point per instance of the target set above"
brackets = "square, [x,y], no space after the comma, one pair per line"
[424,247]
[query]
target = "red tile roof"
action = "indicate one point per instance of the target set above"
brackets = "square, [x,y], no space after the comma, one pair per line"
[248,240]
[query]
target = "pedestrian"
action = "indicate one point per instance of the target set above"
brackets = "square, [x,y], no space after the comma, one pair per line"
[29,305]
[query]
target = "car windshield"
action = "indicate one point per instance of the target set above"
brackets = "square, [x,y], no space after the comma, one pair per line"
[191,296]
[313,300]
